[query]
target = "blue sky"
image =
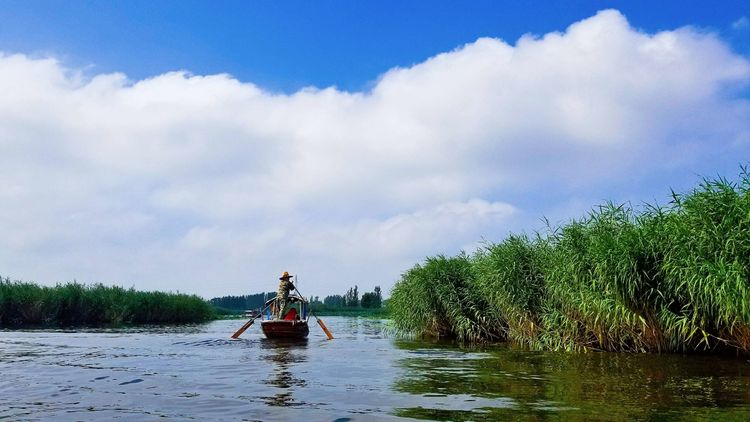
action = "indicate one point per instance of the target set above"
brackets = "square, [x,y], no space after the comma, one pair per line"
[287,45]
[206,147]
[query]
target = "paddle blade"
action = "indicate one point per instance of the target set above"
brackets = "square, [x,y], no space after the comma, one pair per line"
[325,330]
[242,330]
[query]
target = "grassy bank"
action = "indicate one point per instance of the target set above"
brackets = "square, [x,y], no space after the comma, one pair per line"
[353,312]
[73,304]
[668,279]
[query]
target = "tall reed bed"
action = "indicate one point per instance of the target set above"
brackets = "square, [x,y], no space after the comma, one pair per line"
[439,299]
[671,279]
[73,304]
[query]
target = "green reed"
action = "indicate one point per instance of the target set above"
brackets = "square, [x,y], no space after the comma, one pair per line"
[706,266]
[508,276]
[674,278]
[439,299]
[600,284]
[74,304]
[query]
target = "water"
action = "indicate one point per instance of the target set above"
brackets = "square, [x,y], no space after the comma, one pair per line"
[196,372]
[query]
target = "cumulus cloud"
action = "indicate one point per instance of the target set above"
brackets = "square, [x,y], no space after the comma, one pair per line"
[212,185]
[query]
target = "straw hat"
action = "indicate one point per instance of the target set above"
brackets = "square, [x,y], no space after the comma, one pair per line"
[285,276]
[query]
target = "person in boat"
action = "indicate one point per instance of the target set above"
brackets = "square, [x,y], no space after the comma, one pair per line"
[282,295]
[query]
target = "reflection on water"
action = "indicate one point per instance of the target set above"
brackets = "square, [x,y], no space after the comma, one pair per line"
[580,386]
[196,372]
[285,354]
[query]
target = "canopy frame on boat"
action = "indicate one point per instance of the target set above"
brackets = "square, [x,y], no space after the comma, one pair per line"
[304,311]
[291,299]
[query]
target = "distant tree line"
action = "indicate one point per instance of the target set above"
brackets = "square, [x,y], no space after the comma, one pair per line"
[350,299]
[241,303]
[372,299]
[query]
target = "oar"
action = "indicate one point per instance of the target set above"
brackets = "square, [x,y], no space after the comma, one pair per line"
[323,326]
[248,324]
[320,321]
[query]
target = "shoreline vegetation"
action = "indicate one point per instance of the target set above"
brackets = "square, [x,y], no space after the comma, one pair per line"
[24,304]
[353,312]
[370,305]
[28,305]
[646,279]
[379,313]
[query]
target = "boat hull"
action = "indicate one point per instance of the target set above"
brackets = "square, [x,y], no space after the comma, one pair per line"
[285,329]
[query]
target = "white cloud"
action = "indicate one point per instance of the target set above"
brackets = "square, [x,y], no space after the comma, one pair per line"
[204,183]
[741,23]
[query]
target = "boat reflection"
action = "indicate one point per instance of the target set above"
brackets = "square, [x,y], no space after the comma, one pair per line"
[284,355]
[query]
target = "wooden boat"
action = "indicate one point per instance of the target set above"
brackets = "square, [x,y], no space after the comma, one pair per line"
[292,325]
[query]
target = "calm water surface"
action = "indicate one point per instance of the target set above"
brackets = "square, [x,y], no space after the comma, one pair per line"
[197,373]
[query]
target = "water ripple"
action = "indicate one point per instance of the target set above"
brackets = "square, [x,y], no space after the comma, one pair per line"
[197,372]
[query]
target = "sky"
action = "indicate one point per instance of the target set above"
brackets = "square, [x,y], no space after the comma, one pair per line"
[207,147]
